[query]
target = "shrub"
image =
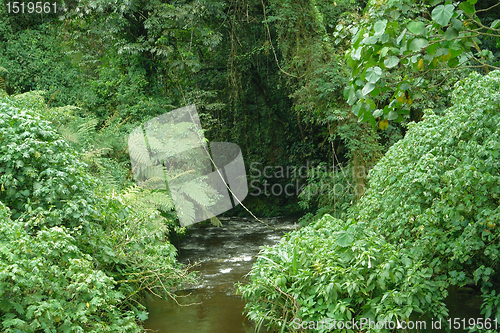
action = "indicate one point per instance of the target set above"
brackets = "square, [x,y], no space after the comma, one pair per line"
[340,271]
[48,284]
[76,256]
[430,219]
[438,189]
[36,60]
[39,174]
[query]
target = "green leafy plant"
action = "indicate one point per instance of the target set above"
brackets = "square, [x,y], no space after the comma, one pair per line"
[431,210]
[340,271]
[48,284]
[437,190]
[70,232]
[39,175]
[404,47]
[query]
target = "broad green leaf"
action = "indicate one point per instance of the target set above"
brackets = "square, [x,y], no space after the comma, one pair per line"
[395,14]
[415,27]
[453,62]
[441,51]
[368,88]
[418,43]
[432,48]
[373,74]
[467,8]
[375,92]
[384,51]
[392,115]
[370,40]
[371,105]
[451,33]
[442,14]
[457,24]
[391,62]
[356,54]
[356,108]
[352,97]
[359,94]
[363,117]
[348,92]
[494,24]
[472,2]
[345,238]
[400,38]
[380,26]
[404,86]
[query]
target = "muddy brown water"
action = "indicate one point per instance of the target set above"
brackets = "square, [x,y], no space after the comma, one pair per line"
[225,255]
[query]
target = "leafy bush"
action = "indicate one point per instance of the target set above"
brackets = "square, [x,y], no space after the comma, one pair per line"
[36,60]
[39,174]
[429,220]
[438,189]
[338,270]
[48,284]
[77,256]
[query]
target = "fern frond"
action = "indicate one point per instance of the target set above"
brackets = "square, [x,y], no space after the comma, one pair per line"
[214,220]
[157,146]
[153,172]
[155,183]
[185,209]
[161,200]
[197,192]
[60,114]
[130,192]
[181,174]
[68,134]
[107,178]
[137,148]
[87,127]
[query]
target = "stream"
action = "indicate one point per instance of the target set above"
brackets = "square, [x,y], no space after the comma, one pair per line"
[225,255]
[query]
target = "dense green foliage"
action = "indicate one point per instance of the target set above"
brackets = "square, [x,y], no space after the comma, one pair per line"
[339,270]
[48,284]
[438,189]
[76,256]
[40,175]
[428,220]
[270,76]
[401,48]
